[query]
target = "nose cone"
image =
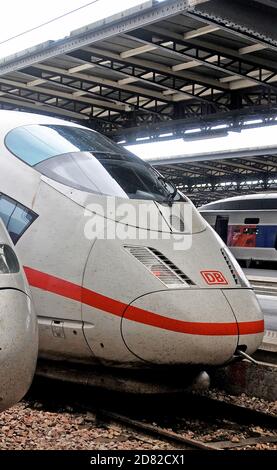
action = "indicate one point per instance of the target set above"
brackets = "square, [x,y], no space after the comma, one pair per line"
[181,327]
[19,346]
[249,317]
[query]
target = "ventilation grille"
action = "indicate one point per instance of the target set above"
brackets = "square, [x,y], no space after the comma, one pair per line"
[160,266]
[230,266]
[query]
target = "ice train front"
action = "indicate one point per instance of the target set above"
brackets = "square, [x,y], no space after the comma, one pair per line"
[129,257]
[18,327]
[188,303]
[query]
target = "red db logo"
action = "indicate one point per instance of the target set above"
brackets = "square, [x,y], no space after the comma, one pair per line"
[213,277]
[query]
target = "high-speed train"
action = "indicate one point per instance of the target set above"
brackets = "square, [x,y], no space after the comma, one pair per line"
[110,283]
[18,327]
[247,224]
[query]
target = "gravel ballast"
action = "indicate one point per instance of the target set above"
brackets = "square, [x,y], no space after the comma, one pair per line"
[33,424]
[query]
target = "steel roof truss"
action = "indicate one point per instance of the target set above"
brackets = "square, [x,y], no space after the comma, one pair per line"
[229,65]
[82,88]
[154,76]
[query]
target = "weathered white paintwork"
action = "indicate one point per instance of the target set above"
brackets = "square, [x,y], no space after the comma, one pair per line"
[18,334]
[74,330]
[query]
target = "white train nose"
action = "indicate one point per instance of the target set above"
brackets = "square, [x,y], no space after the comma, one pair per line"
[181,327]
[18,346]
[249,317]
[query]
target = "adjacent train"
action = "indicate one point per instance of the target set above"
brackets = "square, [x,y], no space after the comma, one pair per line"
[247,224]
[126,302]
[18,327]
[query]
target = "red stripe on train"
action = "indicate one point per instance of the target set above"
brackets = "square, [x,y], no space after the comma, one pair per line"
[72,291]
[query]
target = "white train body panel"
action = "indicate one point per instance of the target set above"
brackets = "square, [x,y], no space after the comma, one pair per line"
[18,329]
[96,299]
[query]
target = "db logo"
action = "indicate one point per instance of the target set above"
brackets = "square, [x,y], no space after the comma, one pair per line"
[213,277]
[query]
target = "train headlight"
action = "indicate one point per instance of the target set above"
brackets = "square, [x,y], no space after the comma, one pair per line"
[8,260]
[237,272]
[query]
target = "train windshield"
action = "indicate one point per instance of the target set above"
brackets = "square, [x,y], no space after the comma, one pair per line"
[86,160]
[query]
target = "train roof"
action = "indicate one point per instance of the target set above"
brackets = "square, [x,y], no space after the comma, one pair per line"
[11,119]
[236,202]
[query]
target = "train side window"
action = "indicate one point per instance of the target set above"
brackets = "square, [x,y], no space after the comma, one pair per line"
[16,217]
[249,221]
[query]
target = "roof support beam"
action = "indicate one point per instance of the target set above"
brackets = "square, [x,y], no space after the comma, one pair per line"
[264,161]
[108,93]
[38,106]
[156,67]
[212,47]
[240,84]
[101,30]
[157,74]
[35,82]
[192,63]
[181,94]
[209,167]
[185,171]
[250,22]
[251,49]
[80,68]
[200,31]
[135,70]
[77,92]
[94,79]
[137,51]
[230,66]
[241,166]
[63,95]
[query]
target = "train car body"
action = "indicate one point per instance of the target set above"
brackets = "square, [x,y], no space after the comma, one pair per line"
[18,327]
[134,301]
[247,224]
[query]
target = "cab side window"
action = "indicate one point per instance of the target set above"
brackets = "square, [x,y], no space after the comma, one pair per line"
[16,217]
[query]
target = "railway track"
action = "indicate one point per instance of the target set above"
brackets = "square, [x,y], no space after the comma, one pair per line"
[233,415]
[164,434]
[185,422]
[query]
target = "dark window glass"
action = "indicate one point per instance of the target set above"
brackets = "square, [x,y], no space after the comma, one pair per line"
[221,227]
[243,204]
[85,160]
[36,143]
[16,217]
[250,220]
[99,173]
[8,260]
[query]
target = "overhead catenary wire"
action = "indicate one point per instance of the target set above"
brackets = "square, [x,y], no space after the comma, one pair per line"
[48,22]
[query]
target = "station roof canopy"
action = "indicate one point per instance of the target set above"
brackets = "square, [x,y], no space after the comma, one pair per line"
[206,177]
[155,71]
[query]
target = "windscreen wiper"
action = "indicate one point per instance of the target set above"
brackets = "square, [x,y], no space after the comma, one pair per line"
[170,196]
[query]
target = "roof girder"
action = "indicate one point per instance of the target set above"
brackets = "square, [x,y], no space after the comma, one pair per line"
[221,63]
[141,71]
[155,66]
[63,95]
[96,80]
[215,48]
[36,105]
[80,91]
